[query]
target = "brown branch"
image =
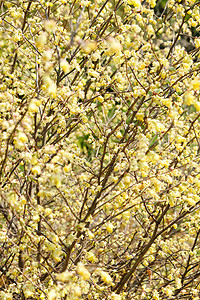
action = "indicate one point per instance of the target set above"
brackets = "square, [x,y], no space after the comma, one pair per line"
[118,288]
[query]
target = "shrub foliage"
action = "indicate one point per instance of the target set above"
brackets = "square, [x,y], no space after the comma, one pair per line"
[99,149]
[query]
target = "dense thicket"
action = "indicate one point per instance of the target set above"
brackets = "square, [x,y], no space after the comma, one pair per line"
[99,149]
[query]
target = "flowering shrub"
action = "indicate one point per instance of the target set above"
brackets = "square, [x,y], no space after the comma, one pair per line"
[99,149]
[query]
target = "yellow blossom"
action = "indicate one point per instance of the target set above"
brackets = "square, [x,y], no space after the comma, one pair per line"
[110,227]
[197,42]
[197,105]
[67,168]
[64,65]
[52,295]
[36,170]
[189,98]
[114,45]
[33,105]
[41,40]
[195,84]
[88,46]
[81,270]
[52,89]
[64,276]
[56,179]
[135,3]
[22,137]
[91,257]
[106,277]
[50,25]
[47,211]
[115,296]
